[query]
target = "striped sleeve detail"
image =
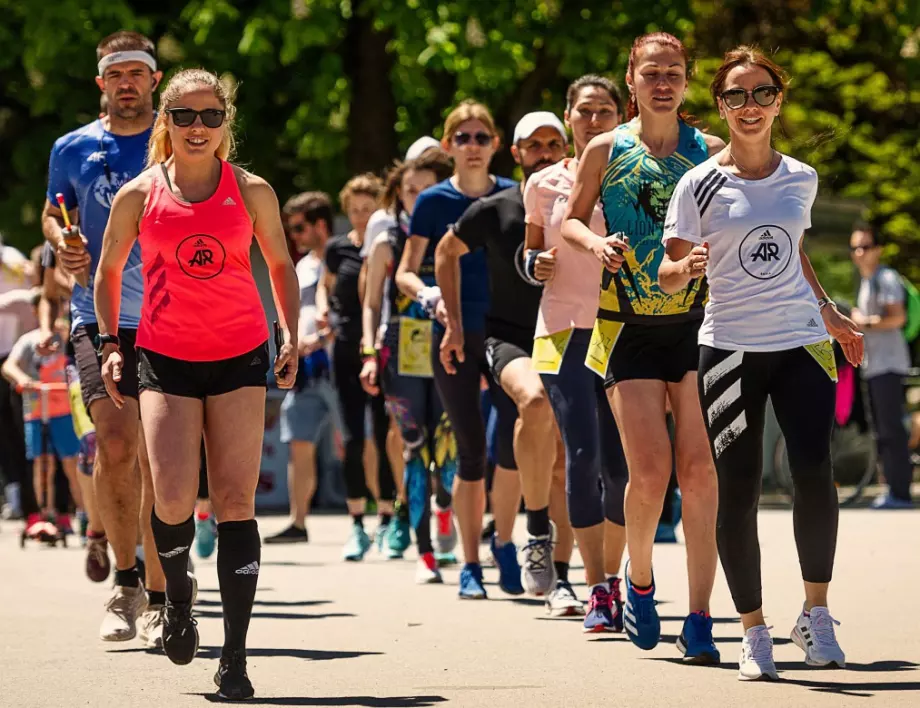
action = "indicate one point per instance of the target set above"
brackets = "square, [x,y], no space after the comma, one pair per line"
[707,189]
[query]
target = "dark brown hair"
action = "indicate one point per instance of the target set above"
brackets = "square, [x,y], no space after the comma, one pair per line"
[745,55]
[125,42]
[313,205]
[436,161]
[594,81]
[665,40]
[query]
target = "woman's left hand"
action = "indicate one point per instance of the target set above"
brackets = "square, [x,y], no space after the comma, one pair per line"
[286,361]
[846,332]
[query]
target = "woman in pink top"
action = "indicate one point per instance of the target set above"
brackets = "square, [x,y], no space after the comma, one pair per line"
[202,348]
[564,324]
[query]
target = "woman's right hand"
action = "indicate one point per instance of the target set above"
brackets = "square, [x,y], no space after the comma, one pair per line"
[369,377]
[609,251]
[697,261]
[113,362]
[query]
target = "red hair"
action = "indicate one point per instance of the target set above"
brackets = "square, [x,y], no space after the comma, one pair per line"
[665,40]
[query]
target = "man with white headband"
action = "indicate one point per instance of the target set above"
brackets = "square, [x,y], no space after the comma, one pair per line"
[87,167]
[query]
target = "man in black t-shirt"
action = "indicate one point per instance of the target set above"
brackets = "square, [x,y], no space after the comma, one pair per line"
[496,224]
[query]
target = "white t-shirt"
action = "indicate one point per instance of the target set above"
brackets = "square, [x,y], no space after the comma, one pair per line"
[759,299]
[309,270]
[12,277]
[380,222]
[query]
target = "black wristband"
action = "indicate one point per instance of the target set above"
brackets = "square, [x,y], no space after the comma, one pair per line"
[102,339]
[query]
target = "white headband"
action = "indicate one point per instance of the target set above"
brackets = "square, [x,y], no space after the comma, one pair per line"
[119,57]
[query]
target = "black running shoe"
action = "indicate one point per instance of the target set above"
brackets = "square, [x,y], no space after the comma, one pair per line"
[291,534]
[232,681]
[180,632]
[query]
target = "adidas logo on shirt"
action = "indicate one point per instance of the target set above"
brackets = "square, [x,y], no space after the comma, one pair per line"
[229,202]
[251,569]
[200,243]
[812,323]
[174,552]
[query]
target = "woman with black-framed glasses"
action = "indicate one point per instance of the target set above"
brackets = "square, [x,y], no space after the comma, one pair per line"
[202,348]
[739,219]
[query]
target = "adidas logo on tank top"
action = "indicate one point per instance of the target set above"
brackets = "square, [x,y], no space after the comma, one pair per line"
[229,202]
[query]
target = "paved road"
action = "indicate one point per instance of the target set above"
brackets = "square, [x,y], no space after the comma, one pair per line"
[330,634]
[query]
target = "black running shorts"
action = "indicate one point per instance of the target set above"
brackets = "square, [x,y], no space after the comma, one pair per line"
[658,352]
[201,379]
[89,364]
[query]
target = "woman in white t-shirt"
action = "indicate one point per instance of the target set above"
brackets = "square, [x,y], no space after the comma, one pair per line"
[739,218]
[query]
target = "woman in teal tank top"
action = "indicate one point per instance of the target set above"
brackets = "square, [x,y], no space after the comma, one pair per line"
[644,342]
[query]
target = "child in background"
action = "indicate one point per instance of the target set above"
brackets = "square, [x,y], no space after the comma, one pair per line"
[30,368]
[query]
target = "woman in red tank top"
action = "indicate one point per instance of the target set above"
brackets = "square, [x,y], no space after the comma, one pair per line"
[202,347]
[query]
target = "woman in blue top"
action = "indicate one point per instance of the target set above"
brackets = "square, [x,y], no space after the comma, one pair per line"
[471,139]
[644,342]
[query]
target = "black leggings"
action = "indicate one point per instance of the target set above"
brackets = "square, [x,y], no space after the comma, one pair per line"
[733,390]
[346,362]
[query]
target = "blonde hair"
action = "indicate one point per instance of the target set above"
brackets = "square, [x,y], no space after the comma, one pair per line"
[160,148]
[368,184]
[468,110]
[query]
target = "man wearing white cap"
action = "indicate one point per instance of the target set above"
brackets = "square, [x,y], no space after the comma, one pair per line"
[87,167]
[496,224]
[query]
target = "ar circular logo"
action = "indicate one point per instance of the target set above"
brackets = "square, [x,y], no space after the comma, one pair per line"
[765,252]
[201,256]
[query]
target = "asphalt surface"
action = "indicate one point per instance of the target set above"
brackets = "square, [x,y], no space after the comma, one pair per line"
[327,633]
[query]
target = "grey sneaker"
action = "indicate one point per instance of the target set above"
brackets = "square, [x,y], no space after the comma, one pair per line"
[121,613]
[150,627]
[539,574]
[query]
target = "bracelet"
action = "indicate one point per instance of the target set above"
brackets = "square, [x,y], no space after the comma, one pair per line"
[367,353]
[823,302]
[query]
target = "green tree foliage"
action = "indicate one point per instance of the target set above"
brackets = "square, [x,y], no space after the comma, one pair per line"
[327,88]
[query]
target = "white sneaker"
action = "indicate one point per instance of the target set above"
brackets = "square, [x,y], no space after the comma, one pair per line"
[562,602]
[150,627]
[757,656]
[121,613]
[814,634]
[538,572]
[426,572]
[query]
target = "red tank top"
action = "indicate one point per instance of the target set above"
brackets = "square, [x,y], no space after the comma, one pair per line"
[200,298]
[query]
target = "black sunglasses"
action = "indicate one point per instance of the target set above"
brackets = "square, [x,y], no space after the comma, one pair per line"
[184,117]
[737,97]
[857,249]
[298,228]
[482,139]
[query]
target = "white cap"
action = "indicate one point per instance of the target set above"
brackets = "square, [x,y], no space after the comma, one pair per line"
[416,149]
[532,122]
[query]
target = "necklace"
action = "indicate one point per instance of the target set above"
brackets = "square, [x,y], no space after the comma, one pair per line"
[745,169]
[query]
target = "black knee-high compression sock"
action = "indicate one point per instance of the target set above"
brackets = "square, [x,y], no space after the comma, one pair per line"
[239,552]
[173,543]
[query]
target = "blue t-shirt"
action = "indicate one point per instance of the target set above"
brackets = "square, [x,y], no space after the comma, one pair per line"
[436,210]
[77,170]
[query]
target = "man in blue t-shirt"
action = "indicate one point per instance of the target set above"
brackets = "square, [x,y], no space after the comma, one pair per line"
[87,167]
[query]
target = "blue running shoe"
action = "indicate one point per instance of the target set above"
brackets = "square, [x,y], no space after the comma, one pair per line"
[205,536]
[509,570]
[398,538]
[358,544]
[471,587]
[665,533]
[640,616]
[695,641]
[600,614]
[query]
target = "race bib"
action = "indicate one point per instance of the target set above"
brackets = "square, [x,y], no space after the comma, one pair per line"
[415,348]
[823,353]
[603,339]
[549,350]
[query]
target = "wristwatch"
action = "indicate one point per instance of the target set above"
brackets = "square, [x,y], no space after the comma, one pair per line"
[823,301]
[102,339]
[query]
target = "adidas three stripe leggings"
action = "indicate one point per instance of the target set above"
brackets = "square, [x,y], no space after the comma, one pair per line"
[733,388]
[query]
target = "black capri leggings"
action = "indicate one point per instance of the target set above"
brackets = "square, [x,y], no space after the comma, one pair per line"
[733,390]
[346,362]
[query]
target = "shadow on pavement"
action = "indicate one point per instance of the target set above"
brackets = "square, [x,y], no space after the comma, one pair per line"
[269,603]
[205,653]
[864,690]
[368,701]
[217,590]
[298,564]
[278,615]
[777,641]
